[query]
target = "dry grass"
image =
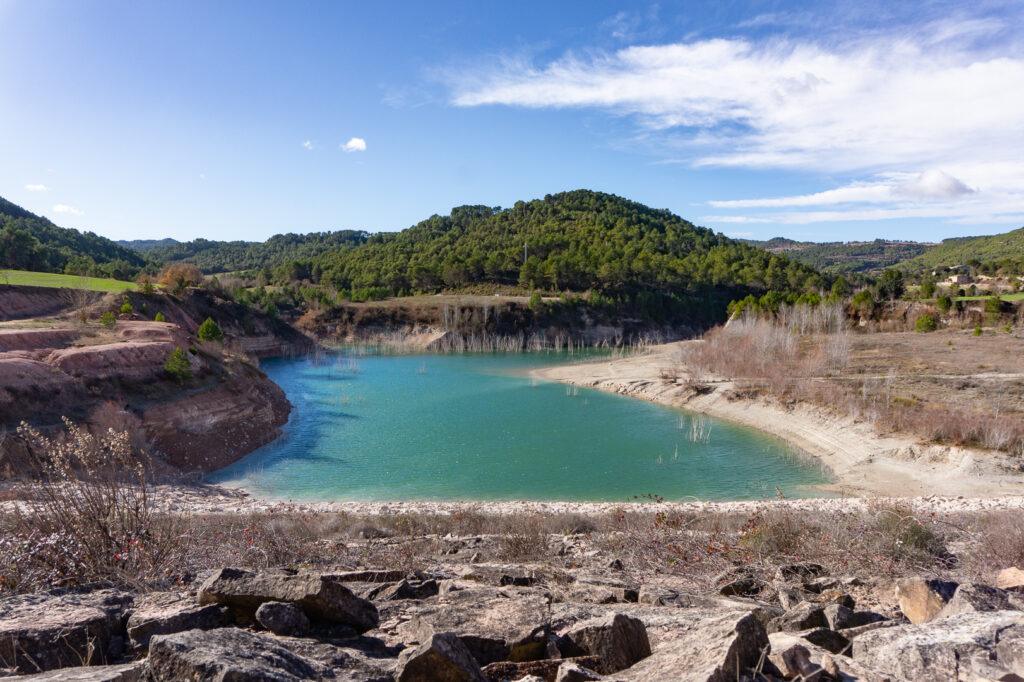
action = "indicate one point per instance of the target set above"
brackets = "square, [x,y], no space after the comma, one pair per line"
[945,387]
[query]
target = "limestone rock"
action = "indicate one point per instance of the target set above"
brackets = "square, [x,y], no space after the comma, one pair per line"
[716,649]
[840,617]
[407,590]
[570,671]
[546,670]
[162,613]
[598,591]
[921,599]
[1011,578]
[282,618]
[442,658]
[971,597]
[495,624]
[803,617]
[796,662]
[123,672]
[617,640]
[318,596]
[853,670]
[225,654]
[368,576]
[961,647]
[829,640]
[63,627]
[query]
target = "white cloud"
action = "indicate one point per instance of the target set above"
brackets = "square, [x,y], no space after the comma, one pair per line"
[355,144]
[308,144]
[36,188]
[64,208]
[919,122]
[740,235]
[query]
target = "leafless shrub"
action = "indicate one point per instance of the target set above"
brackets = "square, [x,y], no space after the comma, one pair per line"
[85,515]
[524,540]
[997,542]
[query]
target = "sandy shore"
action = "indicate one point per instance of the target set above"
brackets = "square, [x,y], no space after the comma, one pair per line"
[863,461]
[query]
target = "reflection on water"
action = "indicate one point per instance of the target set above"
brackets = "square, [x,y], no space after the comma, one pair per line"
[474,427]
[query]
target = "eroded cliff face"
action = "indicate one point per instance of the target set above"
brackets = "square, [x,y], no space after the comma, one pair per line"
[51,368]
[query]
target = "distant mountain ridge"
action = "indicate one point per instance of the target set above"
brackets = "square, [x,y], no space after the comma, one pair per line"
[868,256]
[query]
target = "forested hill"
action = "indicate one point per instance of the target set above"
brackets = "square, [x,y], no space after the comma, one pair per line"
[577,241]
[216,257]
[31,242]
[1008,246]
[845,256]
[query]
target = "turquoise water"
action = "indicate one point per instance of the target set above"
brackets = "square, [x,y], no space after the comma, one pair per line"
[474,427]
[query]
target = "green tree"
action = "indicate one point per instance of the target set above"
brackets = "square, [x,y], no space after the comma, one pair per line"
[926,323]
[890,285]
[209,331]
[927,288]
[177,366]
[536,303]
[944,304]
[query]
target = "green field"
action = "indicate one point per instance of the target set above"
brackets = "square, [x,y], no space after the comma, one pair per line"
[50,279]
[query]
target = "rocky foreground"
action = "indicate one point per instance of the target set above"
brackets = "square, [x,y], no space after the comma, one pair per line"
[479,622]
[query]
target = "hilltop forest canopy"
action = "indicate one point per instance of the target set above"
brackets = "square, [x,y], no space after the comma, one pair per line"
[31,242]
[575,241]
[214,257]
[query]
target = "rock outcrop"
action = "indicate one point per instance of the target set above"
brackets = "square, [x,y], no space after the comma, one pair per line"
[280,624]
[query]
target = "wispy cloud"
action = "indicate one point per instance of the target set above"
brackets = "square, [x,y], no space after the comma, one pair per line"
[308,144]
[355,144]
[919,121]
[64,208]
[36,188]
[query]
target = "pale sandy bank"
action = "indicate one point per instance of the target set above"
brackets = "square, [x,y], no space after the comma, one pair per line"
[863,461]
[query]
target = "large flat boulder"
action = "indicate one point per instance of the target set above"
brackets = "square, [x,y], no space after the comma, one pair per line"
[226,654]
[320,597]
[710,648]
[442,658]
[966,646]
[617,640]
[495,624]
[62,628]
[162,613]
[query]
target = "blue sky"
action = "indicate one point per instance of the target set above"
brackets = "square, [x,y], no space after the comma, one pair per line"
[240,120]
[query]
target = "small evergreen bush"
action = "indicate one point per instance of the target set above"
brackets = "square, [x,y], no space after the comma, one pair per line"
[109,319]
[177,366]
[926,323]
[209,331]
[159,318]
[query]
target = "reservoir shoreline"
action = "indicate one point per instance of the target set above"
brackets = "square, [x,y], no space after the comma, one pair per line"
[864,461]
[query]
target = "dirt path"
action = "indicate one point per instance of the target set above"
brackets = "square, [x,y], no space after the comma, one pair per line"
[863,461]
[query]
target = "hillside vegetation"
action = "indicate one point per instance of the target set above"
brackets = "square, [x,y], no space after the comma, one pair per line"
[845,256]
[213,257]
[1008,246]
[573,241]
[31,242]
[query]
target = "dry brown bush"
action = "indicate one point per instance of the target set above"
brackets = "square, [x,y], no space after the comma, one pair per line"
[85,515]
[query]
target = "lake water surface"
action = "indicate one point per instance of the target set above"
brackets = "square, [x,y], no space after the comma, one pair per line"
[474,427]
